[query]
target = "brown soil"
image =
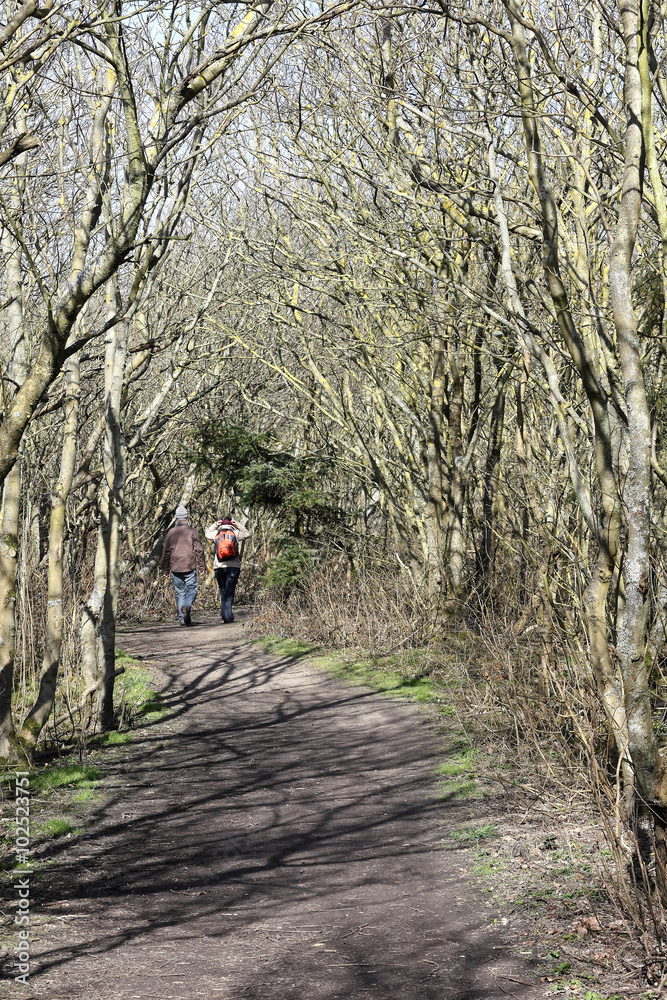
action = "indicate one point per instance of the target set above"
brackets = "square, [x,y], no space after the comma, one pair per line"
[280,836]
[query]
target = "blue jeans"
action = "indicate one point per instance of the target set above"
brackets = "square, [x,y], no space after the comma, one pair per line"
[185,585]
[226,577]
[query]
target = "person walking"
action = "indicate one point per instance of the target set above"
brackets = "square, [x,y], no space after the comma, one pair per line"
[183,555]
[227,534]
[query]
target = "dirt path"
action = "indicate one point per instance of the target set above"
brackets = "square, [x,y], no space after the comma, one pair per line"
[280,840]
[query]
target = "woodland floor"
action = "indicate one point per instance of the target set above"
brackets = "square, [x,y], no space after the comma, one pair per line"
[279,836]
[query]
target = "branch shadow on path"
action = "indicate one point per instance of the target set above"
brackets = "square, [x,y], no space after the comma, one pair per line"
[284,839]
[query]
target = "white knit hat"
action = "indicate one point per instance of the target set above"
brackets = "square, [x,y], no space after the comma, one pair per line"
[181,512]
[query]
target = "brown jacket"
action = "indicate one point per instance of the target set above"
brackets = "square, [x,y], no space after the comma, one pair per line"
[183,550]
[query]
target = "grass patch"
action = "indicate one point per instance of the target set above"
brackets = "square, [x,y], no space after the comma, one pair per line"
[66,776]
[483,867]
[116,738]
[475,834]
[575,987]
[86,795]
[153,708]
[134,693]
[459,773]
[136,700]
[389,676]
[457,764]
[284,647]
[466,789]
[57,826]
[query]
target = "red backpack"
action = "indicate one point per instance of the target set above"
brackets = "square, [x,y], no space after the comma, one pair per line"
[226,545]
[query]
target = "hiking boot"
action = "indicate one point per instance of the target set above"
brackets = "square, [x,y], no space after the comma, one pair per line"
[186,614]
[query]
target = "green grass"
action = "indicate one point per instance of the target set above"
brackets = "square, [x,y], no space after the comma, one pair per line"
[483,867]
[66,776]
[153,708]
[134,688]
[573,987]
[457,773]
[457,764]
[284,647]
[594,995]
[115,738]
[465,789]
[86,795]
[475,834]
[57,826]
[561,968]
[386,676]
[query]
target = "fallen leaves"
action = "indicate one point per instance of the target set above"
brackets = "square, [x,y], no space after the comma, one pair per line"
[586,925]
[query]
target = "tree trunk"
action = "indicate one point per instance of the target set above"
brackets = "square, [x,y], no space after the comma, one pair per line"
[433,514]
[489,489]
[457,484]
[92,664]
[649,770]
[9,526]
[98,630]
[115,471]
[43,706]
[14,359]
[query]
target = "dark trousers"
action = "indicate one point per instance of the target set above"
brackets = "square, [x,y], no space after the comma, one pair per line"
[226,577]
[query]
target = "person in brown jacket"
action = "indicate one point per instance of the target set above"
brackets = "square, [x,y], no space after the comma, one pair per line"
[183,555]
